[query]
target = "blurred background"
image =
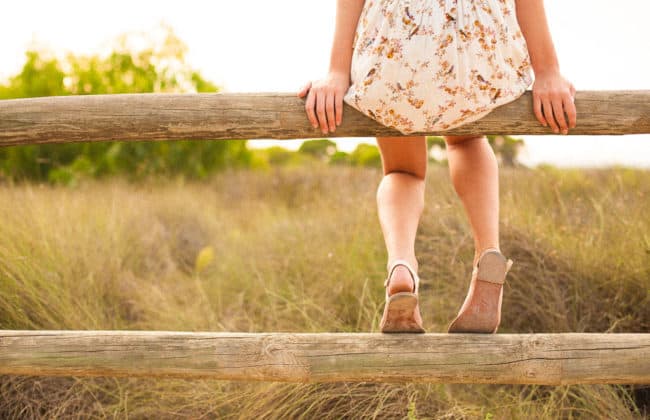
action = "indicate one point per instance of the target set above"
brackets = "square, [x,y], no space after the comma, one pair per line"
[265,236]
[278,46]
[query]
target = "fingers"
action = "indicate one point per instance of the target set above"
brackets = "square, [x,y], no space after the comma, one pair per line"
[548,114]
[558,111]
[329,108]
[570,109]
[324,107]
[315,106]
[320,112]
[553,111]
[304,90]
[309,108]
[339,109]
[537,108]
[554,102]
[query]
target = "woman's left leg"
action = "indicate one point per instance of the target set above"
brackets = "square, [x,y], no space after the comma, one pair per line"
[475,176]
[474,173]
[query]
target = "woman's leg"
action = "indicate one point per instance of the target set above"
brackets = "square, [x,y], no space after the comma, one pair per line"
[475,175]
[400,202]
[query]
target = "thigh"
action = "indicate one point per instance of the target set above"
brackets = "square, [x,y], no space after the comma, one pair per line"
[404,154]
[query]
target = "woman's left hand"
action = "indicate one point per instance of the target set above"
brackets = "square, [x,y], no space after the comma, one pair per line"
[553,96]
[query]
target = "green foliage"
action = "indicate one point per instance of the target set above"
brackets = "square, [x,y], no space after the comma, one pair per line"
[160,67]
[278,155]
[121,72]
[340,158]
[365,155]
[40,76]
[321,149]
[433,141]
[506,148]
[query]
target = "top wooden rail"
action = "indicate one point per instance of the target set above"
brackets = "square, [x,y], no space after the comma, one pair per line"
[213,116]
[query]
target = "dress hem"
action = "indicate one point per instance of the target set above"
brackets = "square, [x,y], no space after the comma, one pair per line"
[505,100]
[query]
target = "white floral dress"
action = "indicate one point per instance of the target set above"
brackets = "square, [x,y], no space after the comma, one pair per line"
[432,65]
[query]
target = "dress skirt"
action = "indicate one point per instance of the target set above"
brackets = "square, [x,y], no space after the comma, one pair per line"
[431,65]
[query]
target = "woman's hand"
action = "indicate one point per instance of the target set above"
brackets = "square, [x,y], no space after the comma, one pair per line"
[553,95]
[324,104]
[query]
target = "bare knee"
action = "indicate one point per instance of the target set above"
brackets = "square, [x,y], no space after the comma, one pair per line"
[415,172]
[453,141]
[396,186]
[404,155]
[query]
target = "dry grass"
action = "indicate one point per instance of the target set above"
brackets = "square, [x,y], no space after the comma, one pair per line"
[301,250]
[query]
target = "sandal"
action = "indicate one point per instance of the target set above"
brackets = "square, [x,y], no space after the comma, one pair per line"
[479,312]
[401,312]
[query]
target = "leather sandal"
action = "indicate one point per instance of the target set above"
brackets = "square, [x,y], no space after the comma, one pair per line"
[401,311]
[481,310]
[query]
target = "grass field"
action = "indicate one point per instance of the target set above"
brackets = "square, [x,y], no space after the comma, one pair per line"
[300,250]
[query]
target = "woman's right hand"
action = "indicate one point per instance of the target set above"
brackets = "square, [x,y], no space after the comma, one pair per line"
[324,104]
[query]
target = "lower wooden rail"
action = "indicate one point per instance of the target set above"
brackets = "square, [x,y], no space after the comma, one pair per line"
[553,359]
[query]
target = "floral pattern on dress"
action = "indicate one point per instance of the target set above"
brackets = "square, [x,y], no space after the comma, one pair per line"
[433,65]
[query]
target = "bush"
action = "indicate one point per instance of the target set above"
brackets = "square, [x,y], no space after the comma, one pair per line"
[158,68]
[365,155]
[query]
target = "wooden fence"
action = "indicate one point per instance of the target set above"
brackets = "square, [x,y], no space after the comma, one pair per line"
[553,359]
[88,118]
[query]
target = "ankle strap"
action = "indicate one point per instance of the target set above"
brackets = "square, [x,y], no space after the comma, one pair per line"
[391,267]
[486,250]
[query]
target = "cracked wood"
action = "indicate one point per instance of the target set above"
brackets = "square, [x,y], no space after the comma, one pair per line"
[552,359]
[214,116]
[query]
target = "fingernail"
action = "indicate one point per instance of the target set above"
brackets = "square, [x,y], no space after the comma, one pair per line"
[555,130]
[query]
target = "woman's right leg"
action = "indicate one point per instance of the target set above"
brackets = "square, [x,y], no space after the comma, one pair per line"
[400,202]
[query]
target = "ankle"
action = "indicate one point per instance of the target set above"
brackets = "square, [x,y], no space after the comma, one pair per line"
[400,281]
[479,251]
[411,260]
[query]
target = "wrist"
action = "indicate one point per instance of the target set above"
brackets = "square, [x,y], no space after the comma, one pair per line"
[547,70]
[340,64]
[339,72]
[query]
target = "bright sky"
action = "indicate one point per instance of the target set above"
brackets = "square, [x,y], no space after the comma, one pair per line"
[276,46]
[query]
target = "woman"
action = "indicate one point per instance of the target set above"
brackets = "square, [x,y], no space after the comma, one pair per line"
[420,66]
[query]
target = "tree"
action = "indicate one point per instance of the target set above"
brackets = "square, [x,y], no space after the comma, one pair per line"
[321,149]
[506,149]
[159,67]
[365,155]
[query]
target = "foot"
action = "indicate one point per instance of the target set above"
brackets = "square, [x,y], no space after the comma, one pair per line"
[400,281]
[481,310]
[402,311]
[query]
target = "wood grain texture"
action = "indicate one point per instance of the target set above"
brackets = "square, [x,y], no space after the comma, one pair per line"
[61,119]
[553,359]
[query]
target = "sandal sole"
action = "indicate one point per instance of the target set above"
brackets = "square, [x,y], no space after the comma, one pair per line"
[481,316]
[398,314]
